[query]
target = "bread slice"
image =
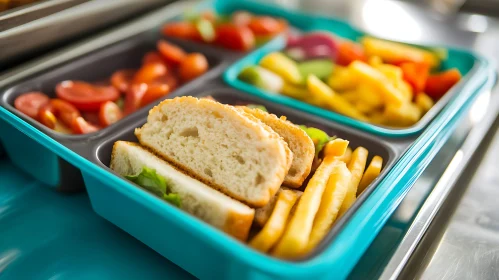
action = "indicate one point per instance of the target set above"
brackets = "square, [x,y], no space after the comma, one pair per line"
[200,200]
[299,142]
[262,214]
[219,145]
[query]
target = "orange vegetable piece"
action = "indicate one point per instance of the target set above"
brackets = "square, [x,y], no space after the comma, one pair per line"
[438,84]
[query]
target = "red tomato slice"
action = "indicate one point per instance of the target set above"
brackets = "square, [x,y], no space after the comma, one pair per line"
[241,18]
[438,84]
[91,117]
[233,37]
[264,25]
[64,111]
[171,52]
[183,29]
[149,72]
[109,113]
[46,116]
[349,52]
[85,96]
[80,126]
[152,57]
[154,92]
[121,79]
[170,80]
[133,98]
[194,65]
[31,102]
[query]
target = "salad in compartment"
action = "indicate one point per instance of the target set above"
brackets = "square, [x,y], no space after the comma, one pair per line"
[376,81]
[81,107]
[260,178]
[240,31]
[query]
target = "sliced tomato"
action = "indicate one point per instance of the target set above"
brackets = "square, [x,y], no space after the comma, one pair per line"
[64,111]
[81,126]
[109,113]
[121,79]
[169,79]
[133,98]
[194,65]
[153,93]
[152,57]
[348,52]
[265,25]
[91,117]
[149,72]
[438,84]
[182,29]
[30,103]
[85,96]
[46,116]
[241,18]
[170,52]
[415,74]
[234,37]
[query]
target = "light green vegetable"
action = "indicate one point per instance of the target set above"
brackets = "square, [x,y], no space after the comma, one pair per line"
[205,29]
[322,68]
[155,183]
[261,78]
[283,66]
[319,137]
[257,106]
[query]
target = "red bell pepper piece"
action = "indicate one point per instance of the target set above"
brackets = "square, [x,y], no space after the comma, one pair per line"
[416,75]
[438,84]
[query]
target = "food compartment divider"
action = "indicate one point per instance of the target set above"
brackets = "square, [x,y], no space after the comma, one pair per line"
[469,64]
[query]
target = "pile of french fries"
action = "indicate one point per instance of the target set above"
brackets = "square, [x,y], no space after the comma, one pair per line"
[299,221]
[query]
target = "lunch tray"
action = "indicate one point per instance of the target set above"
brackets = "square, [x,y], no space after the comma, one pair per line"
[472,66]
[58,160]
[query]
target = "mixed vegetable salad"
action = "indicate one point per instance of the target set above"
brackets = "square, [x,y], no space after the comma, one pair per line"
[375,81]
[241,31]
[82,107]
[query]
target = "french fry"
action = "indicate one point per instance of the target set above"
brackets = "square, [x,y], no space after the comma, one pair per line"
[336,190]
[406,114]
[262,214]
[366,93]
[371,173]
[375,60]
[424,102]
[331,100]
[274,227]
[356,166]
[346,156]
[376,78]
[297,233]
[294,91]
[342,79]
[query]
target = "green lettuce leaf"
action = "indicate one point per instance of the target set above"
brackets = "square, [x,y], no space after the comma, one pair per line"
[155,183]
[319,137]
[173,198]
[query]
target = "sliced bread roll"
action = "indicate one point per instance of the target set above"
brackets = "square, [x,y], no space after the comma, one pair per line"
[262,214]
[299,142]
[219,145]
[200,200]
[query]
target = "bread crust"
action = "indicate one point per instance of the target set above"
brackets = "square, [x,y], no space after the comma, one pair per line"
[264,132]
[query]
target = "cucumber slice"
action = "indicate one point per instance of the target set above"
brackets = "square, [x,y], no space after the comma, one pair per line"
[261,78]
[206,30]
[322,68]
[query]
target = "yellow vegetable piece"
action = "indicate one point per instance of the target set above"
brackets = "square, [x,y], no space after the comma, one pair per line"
[364,107]
[424,102]
[274,227]
[376,78]
[392,52]
[375,61]
[295,91]
[372,171]
[392,72]
[326,96]
[347,156]
[356,166]
[282,66]
[342,79]
[296,235]
[405,115]
[336,148]
[406,89]
[332,199]
[367,94]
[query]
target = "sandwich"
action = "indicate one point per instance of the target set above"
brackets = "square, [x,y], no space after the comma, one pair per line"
[220,145]
[141,166]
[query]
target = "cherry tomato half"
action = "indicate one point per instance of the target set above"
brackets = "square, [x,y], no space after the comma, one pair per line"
[154,92]
[171,52]
[91,117]
[109,113]
[55,110]
[233,37]
[121,79]
[133,97]
[183,29]
[152,57]
[81,126]
[194,65]
[264,25]
[85,96]
[149,72]
[31,102]
[46,117]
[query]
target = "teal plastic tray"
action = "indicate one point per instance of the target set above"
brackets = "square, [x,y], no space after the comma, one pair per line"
[208,253]
[472,67]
